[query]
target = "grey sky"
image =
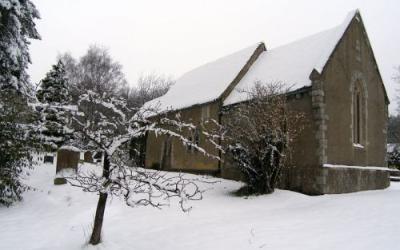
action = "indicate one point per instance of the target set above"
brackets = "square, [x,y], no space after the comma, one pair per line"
[174,36]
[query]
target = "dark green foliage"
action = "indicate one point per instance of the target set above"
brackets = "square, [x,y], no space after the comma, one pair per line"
[16,146]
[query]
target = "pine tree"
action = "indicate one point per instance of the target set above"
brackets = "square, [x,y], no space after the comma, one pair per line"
[54,95]
[16,28]
[54,87]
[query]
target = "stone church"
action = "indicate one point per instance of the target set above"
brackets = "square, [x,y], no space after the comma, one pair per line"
[334,80]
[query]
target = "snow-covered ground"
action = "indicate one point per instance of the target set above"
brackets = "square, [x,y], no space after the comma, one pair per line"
[60,217]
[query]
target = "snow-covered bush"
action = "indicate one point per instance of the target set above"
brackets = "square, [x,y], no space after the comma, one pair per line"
[393,135]
[394,158]
[259,136]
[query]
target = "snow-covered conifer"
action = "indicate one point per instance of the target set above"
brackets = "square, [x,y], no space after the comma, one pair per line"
[16,28]
[54,87]
[16,146]
[54,96]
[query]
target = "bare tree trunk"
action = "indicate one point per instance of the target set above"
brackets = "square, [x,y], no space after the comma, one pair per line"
[95,238]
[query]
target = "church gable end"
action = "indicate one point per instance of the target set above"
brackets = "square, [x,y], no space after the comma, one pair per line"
[355,102]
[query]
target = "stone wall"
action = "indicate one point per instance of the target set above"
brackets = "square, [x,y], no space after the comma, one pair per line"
[168,153]
[346,180]
[324,180]
[352,63]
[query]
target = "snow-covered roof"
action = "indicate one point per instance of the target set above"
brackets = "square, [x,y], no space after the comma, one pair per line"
[291,64]
[205,83]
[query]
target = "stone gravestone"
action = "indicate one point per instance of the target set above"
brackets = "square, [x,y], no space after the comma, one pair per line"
[98,156]
[67,162]
[48,159]
[87,157]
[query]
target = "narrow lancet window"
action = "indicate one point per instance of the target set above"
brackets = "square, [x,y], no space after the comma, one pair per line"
[358,114]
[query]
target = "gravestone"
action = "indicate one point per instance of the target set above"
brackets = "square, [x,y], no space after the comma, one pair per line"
[67,162]
[48,159]
[98,156]
[87,157]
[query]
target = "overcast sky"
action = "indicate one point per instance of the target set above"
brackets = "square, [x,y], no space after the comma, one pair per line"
[174,36]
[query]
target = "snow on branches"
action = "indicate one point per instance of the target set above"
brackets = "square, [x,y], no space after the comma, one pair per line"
[16,28]
[259,135]
[106,123]
[141,187]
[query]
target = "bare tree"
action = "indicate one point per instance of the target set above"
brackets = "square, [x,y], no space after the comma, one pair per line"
[70,66]
[394,120]
[148,87]
[95,71]
[394,129]
[397,79]
[259,136]
[108,128]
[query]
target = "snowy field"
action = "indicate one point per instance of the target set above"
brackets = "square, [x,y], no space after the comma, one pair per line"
[60,217]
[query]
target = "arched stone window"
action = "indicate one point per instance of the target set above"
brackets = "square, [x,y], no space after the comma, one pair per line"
[359,113]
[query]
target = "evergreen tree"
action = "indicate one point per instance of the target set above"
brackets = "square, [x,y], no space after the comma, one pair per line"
[393,135]
[16,144]
[16,28]
[54,87]
[54,95]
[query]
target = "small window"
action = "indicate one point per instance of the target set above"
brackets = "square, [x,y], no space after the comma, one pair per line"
[196,138]
[189,146]
[205,113]
[358,115]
